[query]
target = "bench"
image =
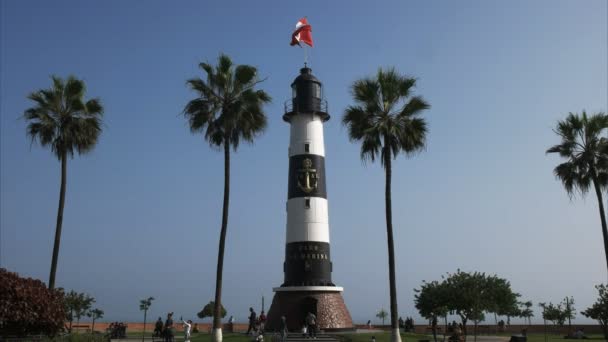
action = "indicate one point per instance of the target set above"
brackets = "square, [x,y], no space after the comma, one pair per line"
[80,326]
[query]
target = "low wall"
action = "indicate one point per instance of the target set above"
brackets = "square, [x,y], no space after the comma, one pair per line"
[486,329]
[138,326]
[515,329]
[482,329]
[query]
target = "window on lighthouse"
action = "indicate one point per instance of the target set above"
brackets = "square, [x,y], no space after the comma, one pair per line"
[316,90]
[293,91]
[307,203]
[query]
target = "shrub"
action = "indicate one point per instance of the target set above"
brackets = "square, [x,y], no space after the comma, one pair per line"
[28,307]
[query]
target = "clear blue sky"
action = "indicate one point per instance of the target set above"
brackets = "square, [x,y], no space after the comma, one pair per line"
[143,209]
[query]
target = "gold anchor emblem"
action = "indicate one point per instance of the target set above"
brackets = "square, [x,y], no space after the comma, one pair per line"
[307,177]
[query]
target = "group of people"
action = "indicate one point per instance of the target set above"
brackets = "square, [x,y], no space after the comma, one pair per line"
[309,329]
[456,331]
[578,334]
[407,325]
[256,323]
[117,330]
[167,330]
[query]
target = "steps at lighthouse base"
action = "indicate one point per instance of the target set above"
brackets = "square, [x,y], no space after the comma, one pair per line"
[295,337]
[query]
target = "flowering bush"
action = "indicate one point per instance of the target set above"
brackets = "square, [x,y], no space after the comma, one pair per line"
[28,307]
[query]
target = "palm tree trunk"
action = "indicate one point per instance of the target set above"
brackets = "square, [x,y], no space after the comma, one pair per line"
[64,167]
[71,319]
[600,202]
[395,335]
[143,335]
[217,320]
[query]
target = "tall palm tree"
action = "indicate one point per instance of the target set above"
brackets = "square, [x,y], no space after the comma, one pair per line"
[144,305]
[62,120]
[227,109]
[585,146]
[385,119]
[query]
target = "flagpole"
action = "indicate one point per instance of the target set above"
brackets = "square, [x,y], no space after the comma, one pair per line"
[305,56]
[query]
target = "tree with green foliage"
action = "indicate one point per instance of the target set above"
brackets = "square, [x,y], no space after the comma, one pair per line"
[227,109]
[569,311]
[94,314]
[207,311]
[432,302]
[64,121]
[502,301]
[585,146]
[599,309]
[468,295]
[386,121]
[543,306]
[382,314]
[144,305]
[526,311]
[76,306]
[556,313]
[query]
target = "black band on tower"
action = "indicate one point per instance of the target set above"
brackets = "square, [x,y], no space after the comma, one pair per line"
[306,176]
[307,264]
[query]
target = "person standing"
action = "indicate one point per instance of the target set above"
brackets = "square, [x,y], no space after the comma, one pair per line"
[169,328]
[311,322]
[158,327]
[231,324]
[252,320]
[283,328]
[187,328]
[262,320]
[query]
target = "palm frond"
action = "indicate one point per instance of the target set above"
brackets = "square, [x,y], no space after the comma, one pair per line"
[405,86]
[74,89]
[412,135]
[370,148]
[414,106]
[366,92]
[94,107]
[390,88]
[243,76]
[358,122]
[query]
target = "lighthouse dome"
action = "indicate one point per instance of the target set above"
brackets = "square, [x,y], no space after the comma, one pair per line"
[307,96]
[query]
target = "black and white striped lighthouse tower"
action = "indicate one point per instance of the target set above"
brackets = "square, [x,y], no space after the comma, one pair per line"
[307,285]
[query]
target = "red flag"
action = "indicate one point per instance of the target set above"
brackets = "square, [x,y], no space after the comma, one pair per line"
[302,33]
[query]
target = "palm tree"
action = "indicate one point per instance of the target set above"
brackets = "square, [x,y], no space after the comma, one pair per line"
[385,119]
[585,146]
[95,314]
[227,109]
[62,120]
[144,305]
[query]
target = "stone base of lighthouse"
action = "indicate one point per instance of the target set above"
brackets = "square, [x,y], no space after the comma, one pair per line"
[295,302]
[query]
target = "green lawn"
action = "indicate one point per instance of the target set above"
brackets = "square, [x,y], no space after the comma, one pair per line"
[239,337]
[554,338]
[384,336]
[346,337]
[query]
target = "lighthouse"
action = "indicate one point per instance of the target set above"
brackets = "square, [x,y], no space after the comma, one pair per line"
[307,268]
